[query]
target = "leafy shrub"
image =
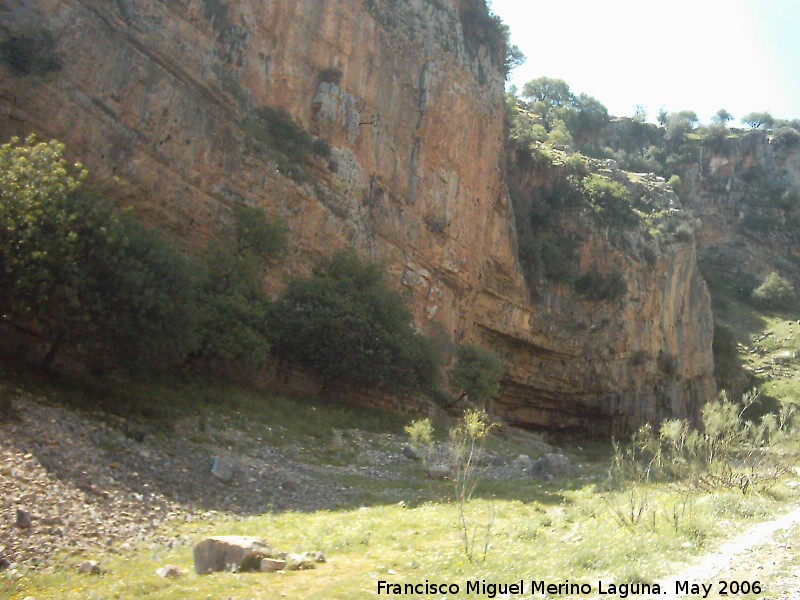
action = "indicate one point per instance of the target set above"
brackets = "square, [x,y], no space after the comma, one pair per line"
[477,373]
[483,28]
[776,291]
[345,325]
[275,129]
[596,286]
[785,138]
[467,441]
[331,75]
[675,184]
[650,256]
[684,233]
[611,200]
[32,54]
[77,272]
[727,451]
[436,222]
[715,137]
[578,165]
[234,320]
[548,255]
[420,435]
[321,148]
[762,220]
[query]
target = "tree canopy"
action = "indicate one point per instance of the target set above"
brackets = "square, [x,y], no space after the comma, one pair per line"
[75,270]
[346,325]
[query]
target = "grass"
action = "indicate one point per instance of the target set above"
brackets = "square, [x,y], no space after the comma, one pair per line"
[769,347]
[575,537]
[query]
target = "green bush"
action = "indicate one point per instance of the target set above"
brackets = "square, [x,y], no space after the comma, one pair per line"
[345,325]
[611,200]
[32,54]
[234,320]
[684,233]
[727,451]
[275,129]
[596,286]
[675,184]
[483,28]
[548,255]
[477,373]
[775,292]
[331,75]
[785,138]
[75,272]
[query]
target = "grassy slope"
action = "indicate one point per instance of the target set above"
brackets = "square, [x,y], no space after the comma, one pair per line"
[579,529]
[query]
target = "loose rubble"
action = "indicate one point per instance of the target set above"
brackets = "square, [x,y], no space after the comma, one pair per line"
[78,482]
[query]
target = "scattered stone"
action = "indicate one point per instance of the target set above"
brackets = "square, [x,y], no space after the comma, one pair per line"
[438,471]
[299,562]
[289,485]
[4,563]
[523,461]
[409,452]
[230,553]
[24,519]
[90,567]
[784,358]
[169,572]
[316,556]
[222,469]
[551,466]
[270,565]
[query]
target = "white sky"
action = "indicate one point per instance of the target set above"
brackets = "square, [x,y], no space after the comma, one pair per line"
[701,55]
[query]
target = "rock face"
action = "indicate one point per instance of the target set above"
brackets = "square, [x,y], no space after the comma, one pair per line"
[608,366]
[745,192]
[165,96]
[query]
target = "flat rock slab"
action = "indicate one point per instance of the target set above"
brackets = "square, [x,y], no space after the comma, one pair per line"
[230,553]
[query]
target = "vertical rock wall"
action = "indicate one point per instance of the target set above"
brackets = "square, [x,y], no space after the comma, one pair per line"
[161,94]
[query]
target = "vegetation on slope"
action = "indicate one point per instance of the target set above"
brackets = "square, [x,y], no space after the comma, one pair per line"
[625,528]
[80,275]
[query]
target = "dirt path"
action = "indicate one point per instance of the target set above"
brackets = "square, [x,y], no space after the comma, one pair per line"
[767,553]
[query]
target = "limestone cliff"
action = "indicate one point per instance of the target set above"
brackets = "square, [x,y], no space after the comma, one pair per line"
[746,192]
[169,97]
[608,363]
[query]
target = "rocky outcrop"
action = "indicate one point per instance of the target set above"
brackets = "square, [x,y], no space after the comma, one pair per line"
[230,553]
[746,192]
[607,365]
[166,97]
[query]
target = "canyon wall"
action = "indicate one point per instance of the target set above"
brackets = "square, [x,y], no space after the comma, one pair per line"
[165,96]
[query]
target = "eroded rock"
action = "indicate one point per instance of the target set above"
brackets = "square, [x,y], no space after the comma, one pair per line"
[230,553]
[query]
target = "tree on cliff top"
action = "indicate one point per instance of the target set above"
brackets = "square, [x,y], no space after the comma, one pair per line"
[553,101]
[756,120]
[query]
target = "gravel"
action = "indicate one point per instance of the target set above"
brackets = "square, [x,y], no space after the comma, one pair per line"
[78,482]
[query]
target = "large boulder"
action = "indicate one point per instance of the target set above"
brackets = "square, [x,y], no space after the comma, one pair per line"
[230,553]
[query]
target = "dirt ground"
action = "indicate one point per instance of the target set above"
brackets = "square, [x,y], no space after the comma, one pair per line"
[767,553]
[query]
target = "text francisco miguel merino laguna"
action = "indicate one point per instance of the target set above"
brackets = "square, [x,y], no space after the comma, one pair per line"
[565,588]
